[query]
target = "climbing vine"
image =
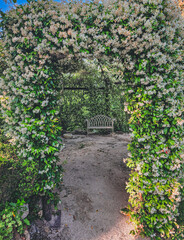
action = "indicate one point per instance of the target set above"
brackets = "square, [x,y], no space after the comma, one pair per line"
[146,36]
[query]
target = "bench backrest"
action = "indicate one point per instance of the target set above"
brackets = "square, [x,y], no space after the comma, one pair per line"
[100,121]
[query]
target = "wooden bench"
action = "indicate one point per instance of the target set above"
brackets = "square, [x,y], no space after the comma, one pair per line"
[100,122]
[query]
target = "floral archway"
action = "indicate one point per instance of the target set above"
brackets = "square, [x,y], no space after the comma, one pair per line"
[146,36]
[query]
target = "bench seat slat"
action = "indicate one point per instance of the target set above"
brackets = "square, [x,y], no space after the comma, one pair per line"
[98,127]
[100,122]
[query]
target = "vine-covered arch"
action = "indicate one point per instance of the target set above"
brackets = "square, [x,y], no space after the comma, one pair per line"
[146,36]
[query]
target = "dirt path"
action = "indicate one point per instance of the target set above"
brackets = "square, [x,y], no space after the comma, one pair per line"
[95,192]
[94,189]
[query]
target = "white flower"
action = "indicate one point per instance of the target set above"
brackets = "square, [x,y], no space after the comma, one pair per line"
[153,210]
[130,91]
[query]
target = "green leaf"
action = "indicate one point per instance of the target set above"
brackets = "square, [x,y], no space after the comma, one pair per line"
[26,221]
[132,232]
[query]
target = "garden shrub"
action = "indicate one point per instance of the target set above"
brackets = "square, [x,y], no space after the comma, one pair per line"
[11,192]
[17,186]
[146,36]
[11,220]
[17,176]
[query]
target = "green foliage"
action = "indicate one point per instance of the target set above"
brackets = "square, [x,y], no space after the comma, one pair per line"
[180,218]
[95,91]
[16,184]
[17,176]
[11,219]
[3,64]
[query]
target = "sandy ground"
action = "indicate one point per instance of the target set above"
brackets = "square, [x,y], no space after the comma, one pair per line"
[95,181]
[94,189]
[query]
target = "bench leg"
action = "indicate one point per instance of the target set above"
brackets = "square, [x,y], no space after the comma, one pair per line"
[112,127]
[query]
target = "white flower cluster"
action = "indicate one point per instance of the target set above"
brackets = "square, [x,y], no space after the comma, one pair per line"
[150,50]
